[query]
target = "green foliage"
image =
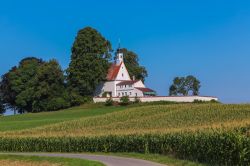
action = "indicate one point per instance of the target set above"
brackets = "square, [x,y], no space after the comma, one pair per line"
[89,61]
[2,107]
[109,102]
[216,148]
[34,85]
[185,85]
[131,61]
[214,101]
[124,100]
[75,99]
[50,93]
[137,100]
[205,102]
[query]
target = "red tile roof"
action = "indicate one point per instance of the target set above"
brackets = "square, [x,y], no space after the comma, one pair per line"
[145,89]
[127,82]
[113,72]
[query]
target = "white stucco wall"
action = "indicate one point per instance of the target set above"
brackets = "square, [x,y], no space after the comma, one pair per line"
[128,90]
[138,93]
[123,73]
[108,86]
[139,84]
[162,98]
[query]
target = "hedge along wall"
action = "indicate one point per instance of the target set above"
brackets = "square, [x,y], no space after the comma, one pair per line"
[213,148]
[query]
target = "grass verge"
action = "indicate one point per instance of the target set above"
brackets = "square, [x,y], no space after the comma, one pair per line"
[51,160]
[168,160]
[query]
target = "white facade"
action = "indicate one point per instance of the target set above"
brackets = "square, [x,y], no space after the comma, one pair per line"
[119,82]
[130,89]
[123,73]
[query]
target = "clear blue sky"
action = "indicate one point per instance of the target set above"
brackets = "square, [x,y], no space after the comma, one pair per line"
[209,39]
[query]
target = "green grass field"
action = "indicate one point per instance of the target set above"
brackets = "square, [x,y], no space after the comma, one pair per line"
[32,120]
[16,160]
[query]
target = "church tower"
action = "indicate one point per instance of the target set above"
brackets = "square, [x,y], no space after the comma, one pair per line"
[118,57]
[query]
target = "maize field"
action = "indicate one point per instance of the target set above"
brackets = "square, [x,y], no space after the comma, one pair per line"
[217,134]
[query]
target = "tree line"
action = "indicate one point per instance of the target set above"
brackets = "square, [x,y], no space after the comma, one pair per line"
[35,85]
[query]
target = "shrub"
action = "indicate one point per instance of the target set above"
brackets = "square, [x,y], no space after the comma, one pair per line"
[137,100]
[75,99]
[124,100]
[214,101]
[57,103]
[198,101]
[109,102]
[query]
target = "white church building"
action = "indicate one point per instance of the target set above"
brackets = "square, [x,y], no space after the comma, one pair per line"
[119,83]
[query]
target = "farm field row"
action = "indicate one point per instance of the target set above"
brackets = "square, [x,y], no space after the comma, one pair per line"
[146,119]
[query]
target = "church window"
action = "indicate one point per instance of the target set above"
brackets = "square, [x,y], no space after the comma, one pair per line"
[126,93]
[122,74]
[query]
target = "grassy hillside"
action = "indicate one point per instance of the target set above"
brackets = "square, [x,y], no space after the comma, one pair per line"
[212,133]
[133,120]
[27,121]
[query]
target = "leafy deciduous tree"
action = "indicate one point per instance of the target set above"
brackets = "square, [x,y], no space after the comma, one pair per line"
[89,64]
[34,86]
[185,85]
[2,107]
[50,92]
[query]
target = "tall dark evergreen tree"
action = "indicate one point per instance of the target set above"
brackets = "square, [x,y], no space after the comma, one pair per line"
[89,64]
[131,61]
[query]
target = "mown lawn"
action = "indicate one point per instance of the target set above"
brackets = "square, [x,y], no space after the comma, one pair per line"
[48,161]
